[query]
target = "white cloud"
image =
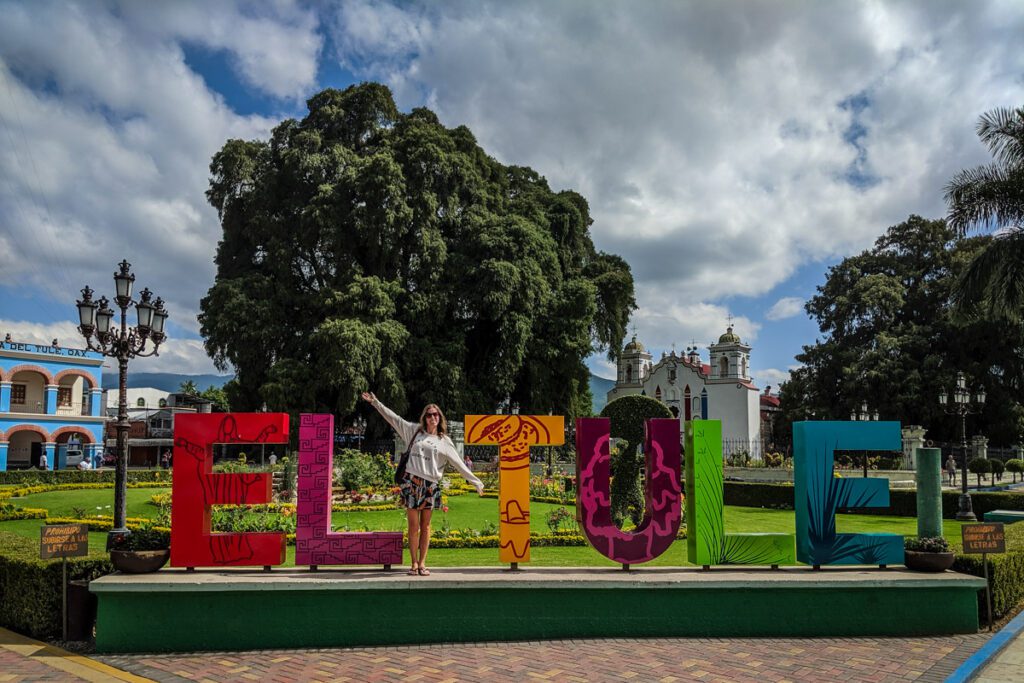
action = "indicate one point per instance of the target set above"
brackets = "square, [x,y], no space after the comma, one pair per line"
[184,356]
[770,376]
[108,138]
[786,307]
[721,145]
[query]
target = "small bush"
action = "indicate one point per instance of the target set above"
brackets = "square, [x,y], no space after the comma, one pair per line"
[979,466]
[76,476]
[928,544]
[1016,466]
[997,469]
[30,588]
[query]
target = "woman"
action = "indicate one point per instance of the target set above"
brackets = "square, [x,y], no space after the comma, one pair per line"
[429,448]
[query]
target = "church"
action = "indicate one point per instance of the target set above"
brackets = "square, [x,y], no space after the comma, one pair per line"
[693,390]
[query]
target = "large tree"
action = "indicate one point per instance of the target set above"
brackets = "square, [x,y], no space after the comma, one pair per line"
[892,340]
[992,196]
[365,248]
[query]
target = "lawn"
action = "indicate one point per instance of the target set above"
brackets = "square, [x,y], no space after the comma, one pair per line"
[466,511]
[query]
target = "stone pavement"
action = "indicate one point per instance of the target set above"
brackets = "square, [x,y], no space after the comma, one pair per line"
[861,660]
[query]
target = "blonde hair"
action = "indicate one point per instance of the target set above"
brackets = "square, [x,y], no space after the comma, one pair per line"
[442,424]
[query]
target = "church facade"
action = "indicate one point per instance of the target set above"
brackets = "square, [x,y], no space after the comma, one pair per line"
[718,390]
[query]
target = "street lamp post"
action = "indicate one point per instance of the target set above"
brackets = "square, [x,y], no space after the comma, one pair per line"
[963,405]
[95,318]
[360,424]
[864,416]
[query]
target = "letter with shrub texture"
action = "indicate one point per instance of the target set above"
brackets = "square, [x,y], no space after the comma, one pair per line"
[315,543]
[663,509]
[513,435]
[818,493]
[706,540]
[196,488]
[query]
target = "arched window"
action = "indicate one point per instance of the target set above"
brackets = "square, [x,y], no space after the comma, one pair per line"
[657,392]
[723,367]
[704,403]
[629,373]
[163,403]
[686,403]
[743,368]
[672,374]
[141,403]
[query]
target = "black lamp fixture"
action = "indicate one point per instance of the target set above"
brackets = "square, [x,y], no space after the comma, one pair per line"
[95,319]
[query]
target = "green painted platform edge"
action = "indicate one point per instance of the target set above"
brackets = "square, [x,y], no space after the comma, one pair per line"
[181,621]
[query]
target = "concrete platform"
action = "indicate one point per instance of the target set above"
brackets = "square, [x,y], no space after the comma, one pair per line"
[174,610]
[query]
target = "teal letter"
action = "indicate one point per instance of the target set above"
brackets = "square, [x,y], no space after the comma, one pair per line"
[818,493]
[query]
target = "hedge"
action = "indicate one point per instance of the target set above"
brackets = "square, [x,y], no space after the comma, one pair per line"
[902,502]
[30,588]
[28,490]
[77,476]
[1005,572]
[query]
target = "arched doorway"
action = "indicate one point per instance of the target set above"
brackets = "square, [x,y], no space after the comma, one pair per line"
[25,446]
[71,444]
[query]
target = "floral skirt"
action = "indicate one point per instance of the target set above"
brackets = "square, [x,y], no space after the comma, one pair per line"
[419,494]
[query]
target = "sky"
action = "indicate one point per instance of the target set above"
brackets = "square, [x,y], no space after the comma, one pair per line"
[731,151]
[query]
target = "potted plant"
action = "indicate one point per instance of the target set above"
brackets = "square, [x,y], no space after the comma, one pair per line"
[929,554]
[145,550]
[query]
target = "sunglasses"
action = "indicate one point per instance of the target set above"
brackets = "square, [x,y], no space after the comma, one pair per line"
[433,415]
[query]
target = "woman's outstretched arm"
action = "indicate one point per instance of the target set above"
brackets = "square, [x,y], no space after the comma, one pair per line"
[406,430]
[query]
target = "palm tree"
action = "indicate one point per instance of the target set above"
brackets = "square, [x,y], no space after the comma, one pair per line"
[188,388]
[992,196]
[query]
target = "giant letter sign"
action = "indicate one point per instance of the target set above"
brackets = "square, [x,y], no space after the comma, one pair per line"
[196,489]
[514,434]
[706,539]
[663,508]
[818,493]
[315,544]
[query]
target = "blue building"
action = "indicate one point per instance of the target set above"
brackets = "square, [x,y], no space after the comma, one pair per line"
[49,396]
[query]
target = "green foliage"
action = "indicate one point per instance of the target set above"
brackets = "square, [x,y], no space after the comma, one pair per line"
[561,517]
[628,415]
[979,466]
[997,468]
[30,588]
[1016,466]
[368,248]
[928,544]
[218,397]
[902,502]
[992,285]
[1005,579]
[146,537]
[360,470]
[75,476]
[888,332]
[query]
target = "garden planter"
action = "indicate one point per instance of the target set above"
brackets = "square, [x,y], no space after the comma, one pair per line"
[928,562]
[139,561]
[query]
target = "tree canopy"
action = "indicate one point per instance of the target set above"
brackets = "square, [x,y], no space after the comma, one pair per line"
[364,248]
[891,339]
[988,197]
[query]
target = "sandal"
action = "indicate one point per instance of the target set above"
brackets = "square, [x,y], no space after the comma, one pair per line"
[424,571]
[413,572]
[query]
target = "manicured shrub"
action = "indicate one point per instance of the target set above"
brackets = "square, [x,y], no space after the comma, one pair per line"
[979,466]
[627,415]
[902,502]
[30,588]
[1005,579]
[75,476]
[997,470]
[1016,466]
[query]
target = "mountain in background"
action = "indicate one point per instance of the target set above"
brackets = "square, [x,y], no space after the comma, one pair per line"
[599,388]
[165,381]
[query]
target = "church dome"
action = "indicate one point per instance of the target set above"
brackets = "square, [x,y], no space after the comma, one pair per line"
[634,347]
[729,337]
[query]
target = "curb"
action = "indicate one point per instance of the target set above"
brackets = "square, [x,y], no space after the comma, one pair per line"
[68,662]
[988,652]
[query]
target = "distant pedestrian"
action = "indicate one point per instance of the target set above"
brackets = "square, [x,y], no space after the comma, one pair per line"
[272,459]
[951,469]
[44,464]
[469,463]
[165,459]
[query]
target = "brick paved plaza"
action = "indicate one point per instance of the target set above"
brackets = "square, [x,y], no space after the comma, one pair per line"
[864,659]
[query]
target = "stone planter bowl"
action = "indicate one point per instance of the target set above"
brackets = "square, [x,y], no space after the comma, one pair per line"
[139,561]
[928,562]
